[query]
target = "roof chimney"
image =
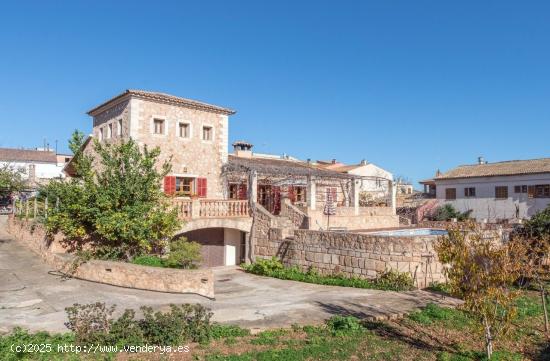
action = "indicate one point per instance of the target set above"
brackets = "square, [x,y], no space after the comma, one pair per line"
[363,162]
[242,149]
[333,160]
[481,160]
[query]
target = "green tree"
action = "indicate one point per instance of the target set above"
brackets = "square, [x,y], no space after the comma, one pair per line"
[115,207]
[11,179]
[482,273]
[184,254]
[447,212]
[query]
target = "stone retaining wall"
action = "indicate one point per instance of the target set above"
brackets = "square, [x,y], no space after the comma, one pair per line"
[113,273]
[354,254]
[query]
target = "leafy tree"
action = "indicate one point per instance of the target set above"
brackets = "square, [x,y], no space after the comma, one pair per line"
[116,207]
[184,254]
[534,234]
[11,179]
[482,272]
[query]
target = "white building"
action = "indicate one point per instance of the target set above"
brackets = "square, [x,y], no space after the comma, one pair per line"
[507,190]
[38,165]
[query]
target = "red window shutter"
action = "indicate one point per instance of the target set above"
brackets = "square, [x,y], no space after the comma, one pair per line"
[242,191]
[202,187]
[169,185]
[291,194]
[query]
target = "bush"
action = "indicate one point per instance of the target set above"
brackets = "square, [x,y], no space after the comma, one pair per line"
[181,323]
[148,260]
[20,337]
[184,254]
[340,325]
[394,280]
[264,267]
[447,212]
[90,323]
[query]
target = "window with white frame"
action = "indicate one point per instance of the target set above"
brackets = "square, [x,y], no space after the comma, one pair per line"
[184,130]
[207,132]
[119,128]
[158,126]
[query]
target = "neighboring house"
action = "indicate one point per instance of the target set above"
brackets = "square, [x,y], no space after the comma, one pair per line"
[375,181]
[500,191]
[38,165]
[216,193]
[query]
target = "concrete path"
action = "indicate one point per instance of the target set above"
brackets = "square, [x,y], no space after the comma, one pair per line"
[34,296]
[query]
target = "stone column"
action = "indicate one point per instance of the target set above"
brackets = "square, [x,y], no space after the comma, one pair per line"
[311,193]
[253,186]
[393,193]
[355,185]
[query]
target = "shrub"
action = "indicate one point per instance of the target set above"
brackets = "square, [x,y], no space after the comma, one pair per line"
[90,323]
[148,260]
[264,267]
[447,212]
[181,323]
[339,325]
[184,254]
[394,280]
[125,330]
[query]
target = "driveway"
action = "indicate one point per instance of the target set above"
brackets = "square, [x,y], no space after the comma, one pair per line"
[33,295]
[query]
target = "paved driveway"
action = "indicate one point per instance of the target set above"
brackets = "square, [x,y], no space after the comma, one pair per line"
[34,296]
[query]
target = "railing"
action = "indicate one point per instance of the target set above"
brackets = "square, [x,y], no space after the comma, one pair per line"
[184,208]
[223,208]
[298,218]
[211,208]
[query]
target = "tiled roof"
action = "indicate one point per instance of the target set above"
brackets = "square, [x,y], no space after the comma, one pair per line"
[27,155]
[511,167]
[166,98]
[281,167]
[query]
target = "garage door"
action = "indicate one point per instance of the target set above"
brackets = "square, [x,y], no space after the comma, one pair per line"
[211,241]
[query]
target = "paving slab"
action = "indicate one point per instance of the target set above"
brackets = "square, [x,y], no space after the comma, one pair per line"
[34,296]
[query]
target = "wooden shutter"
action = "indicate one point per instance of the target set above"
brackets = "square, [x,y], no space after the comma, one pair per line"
[202,187]
[291,194]
[169,185]
[242,192]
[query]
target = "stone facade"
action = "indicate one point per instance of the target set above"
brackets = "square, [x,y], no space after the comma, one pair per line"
[113,273]
[191,156]
[351,254]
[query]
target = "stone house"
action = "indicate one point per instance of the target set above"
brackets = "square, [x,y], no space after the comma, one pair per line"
[219,194]
[499,191]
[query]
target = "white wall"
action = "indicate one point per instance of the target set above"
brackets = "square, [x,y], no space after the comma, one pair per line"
[42,170]
[484,204]
[232,246]
[371,185]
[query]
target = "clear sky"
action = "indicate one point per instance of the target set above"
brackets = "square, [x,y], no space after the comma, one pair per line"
[409,85]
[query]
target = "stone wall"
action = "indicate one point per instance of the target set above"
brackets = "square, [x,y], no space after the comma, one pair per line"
[368,218]
[113,273]
[353,254]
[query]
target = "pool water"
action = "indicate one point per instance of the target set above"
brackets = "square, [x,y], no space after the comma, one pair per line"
[411,232]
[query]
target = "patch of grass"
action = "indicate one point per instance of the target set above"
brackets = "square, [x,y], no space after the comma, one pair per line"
[269,337]
[440,287]
[22,338]
[529,307]
[449,317]
[388,281]
[218,331]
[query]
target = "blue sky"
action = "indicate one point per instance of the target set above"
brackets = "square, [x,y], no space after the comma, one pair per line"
[409,85]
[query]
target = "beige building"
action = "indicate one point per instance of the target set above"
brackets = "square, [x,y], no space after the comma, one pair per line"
[218,194]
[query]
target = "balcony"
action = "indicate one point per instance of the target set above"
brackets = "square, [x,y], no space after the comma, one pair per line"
[211,208]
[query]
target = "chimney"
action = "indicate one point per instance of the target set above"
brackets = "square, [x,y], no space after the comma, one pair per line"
[363,162]
[481,160]
[242,149]
[333,160]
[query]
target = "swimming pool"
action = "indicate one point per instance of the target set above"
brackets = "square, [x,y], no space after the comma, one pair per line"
[411,232]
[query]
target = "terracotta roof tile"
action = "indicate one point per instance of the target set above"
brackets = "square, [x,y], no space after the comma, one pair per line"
[27,155]
[166,98]
[511,167]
